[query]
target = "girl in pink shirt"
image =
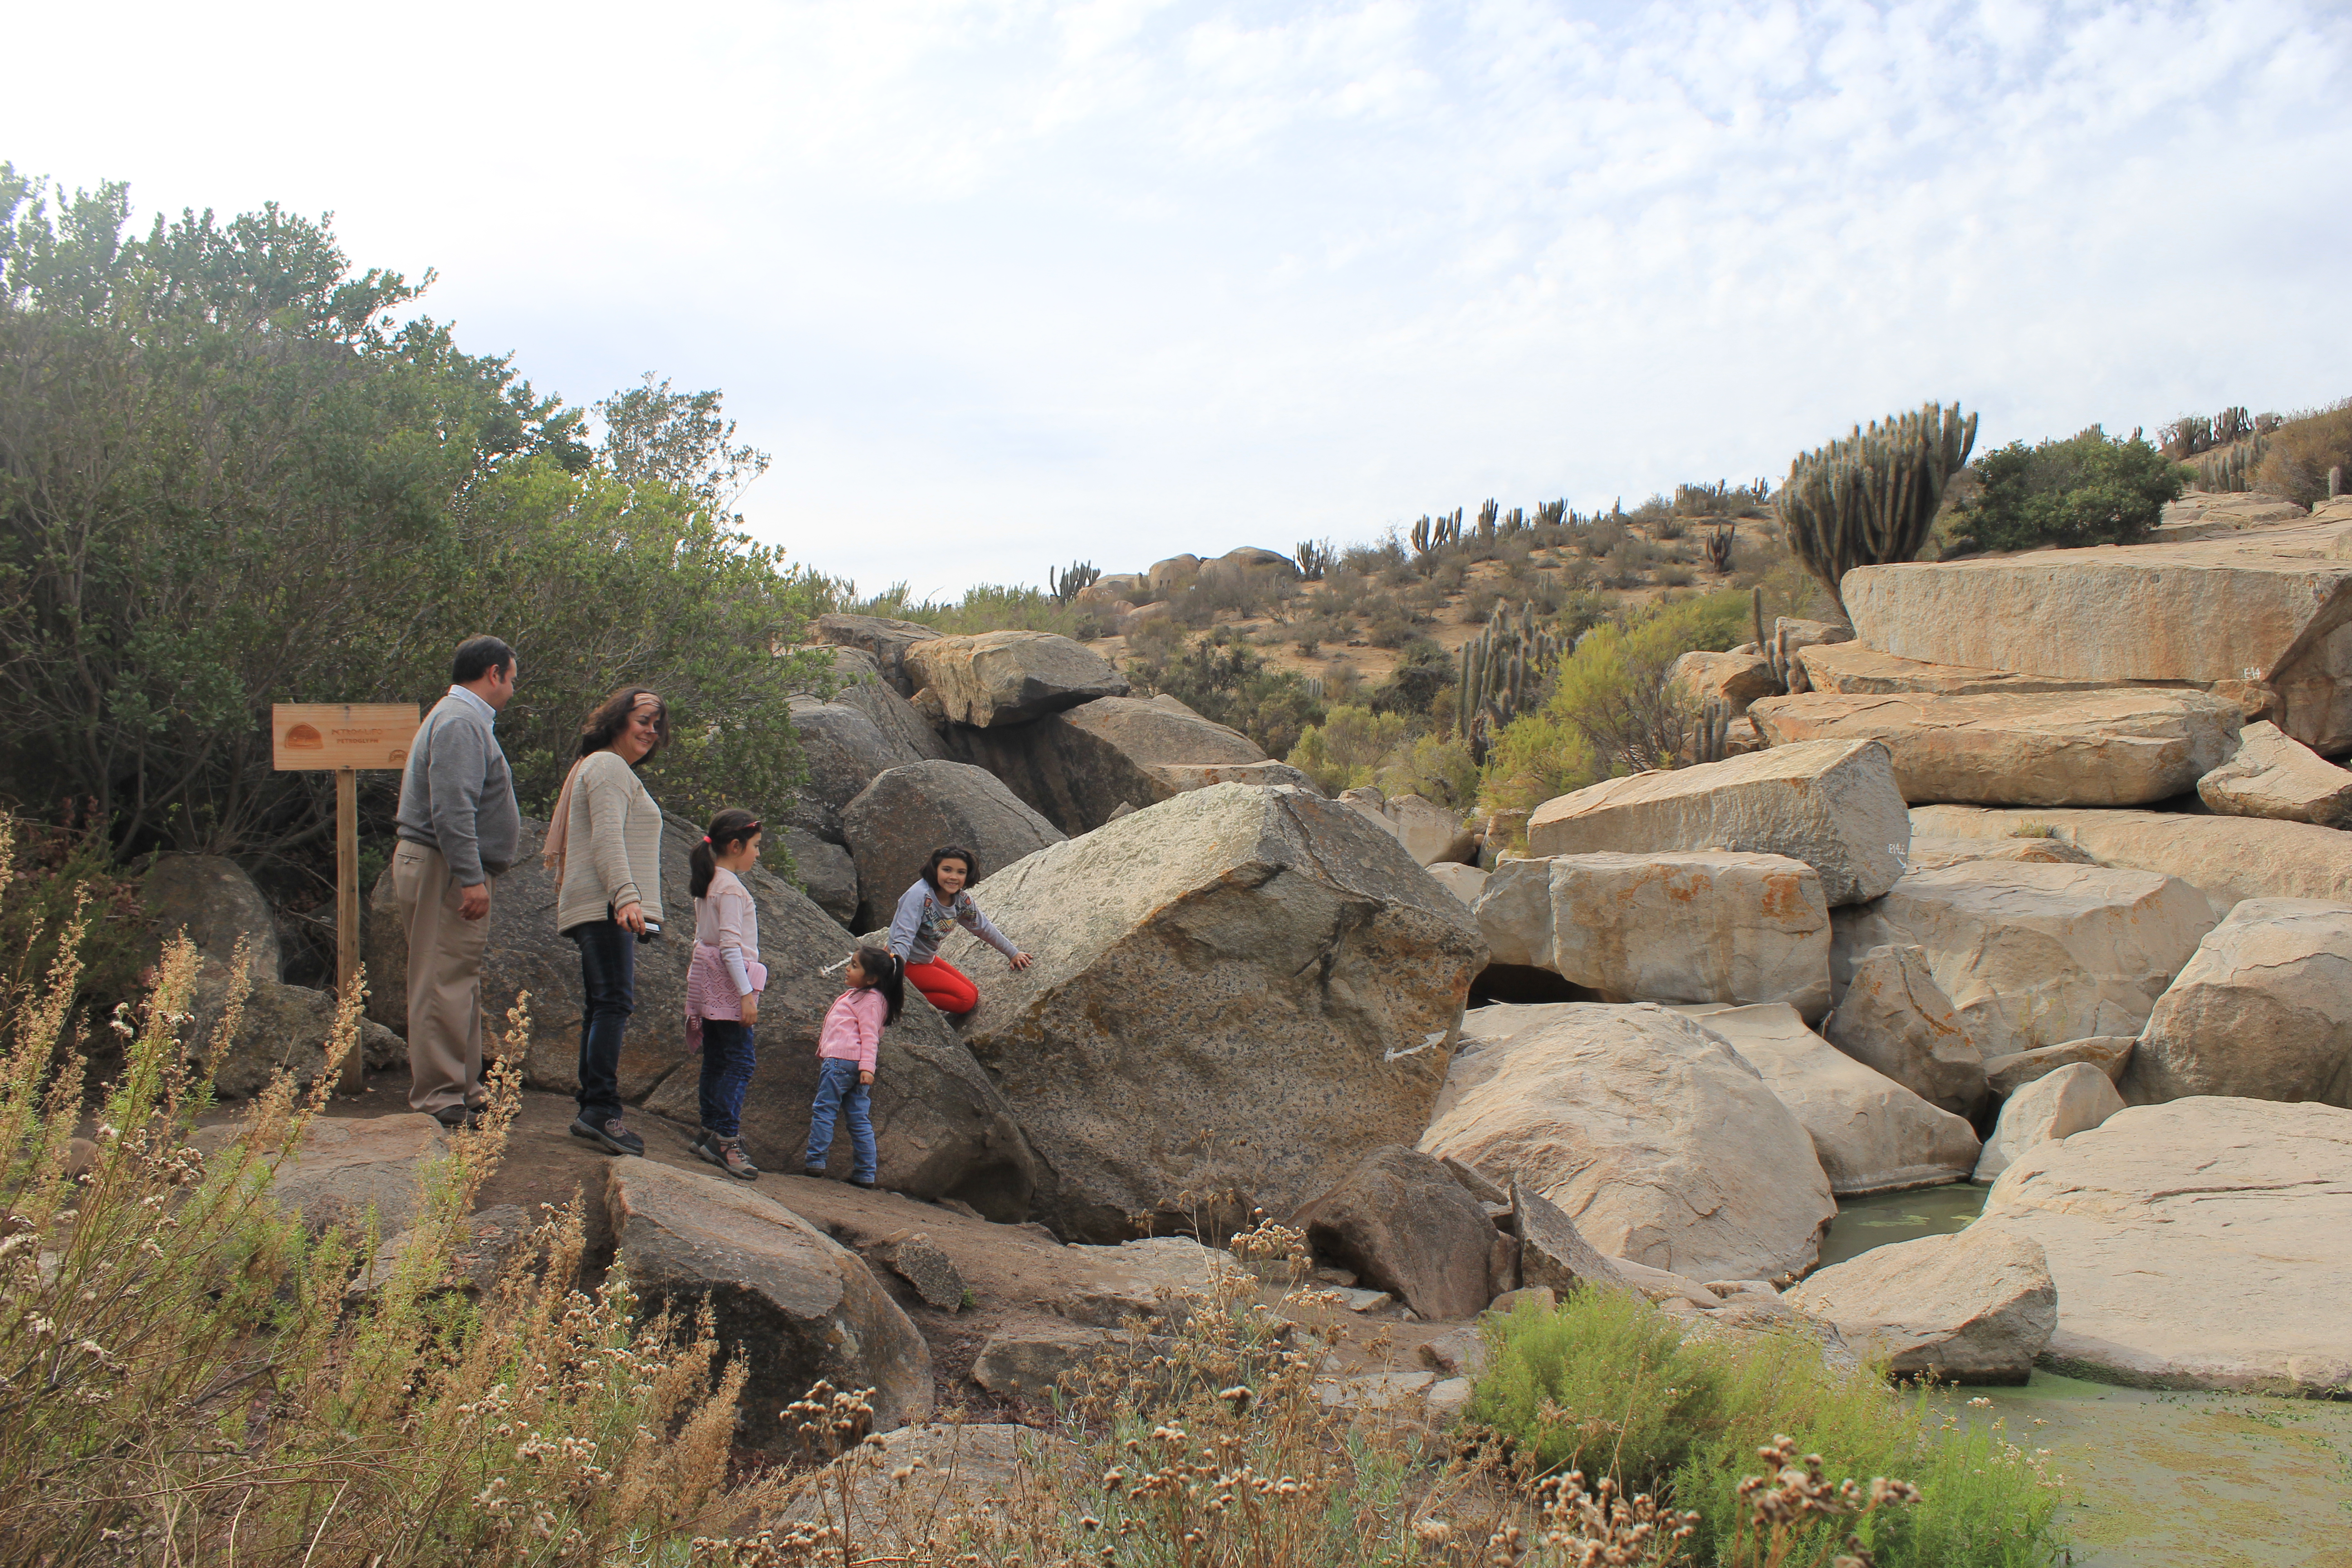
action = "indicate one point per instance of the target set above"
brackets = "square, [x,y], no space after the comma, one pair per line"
[847,1049]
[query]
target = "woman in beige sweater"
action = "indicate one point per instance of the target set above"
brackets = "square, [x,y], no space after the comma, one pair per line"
[605,845]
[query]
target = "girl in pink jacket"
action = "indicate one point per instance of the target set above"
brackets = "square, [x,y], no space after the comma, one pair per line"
[846,1048]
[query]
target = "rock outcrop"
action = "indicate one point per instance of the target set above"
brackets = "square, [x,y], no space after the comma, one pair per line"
[1554,1256]
[907,812]
[1977,1307]
[211,898]
[283,1028]
[1831,804]
[943,1130]
[2074,1098]
[1655,1138]
[2275,776]
[2037,956]
[2196,1244]
[1237,991]
[2227,858]
[1081,767]
[347,1168]
[825,871]
[844,749]
[1464,882]
[2116,747]
[796,1305]
[1871,1134]
[1400,1223]
[2202,613]
[1011,678]
[1675,927]
[1895,1019]
[880,639]
[1430,832]
[1735,679]
[2263,1010]
[858,681]
[1857,669]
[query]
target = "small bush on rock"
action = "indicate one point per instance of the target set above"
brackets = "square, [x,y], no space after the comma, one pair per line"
[2086,490]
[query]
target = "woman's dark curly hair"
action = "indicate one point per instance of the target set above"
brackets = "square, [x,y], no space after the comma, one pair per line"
[951,852]
[603,726]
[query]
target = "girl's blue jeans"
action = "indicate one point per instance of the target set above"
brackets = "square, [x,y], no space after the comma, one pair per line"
[728,1054]
[839,1094]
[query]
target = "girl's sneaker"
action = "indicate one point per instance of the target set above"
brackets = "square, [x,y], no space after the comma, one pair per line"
[727,1154]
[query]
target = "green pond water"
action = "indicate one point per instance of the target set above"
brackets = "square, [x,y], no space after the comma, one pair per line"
[2153,1480]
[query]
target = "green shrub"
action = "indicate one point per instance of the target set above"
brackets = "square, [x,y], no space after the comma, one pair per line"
[1606,1383]
[1434,767]
[1227,683]
[2085,489]
[1343,751]
[1612,690]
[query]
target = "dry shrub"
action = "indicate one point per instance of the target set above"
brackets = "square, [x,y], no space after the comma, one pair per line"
[187,1376]
[2298,453]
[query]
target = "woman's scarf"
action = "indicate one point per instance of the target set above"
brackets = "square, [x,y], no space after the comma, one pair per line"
[559,826]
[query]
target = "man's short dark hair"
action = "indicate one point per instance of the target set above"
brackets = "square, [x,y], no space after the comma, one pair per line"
[476,657]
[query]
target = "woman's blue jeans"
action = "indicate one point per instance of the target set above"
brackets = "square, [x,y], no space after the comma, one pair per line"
[608,978]
[728,1057]
[839,1094]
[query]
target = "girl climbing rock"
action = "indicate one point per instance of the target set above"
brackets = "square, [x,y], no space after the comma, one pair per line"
[935,904]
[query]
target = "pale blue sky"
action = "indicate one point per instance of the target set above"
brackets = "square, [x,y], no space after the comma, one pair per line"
[1000,285]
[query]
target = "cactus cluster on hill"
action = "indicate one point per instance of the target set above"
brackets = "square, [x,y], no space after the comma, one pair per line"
[1870,497]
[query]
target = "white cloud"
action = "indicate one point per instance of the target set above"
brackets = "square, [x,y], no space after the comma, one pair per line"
[1009,283]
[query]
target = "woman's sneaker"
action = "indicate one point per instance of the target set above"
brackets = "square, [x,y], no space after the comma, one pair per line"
[727,1154]
[613,1134]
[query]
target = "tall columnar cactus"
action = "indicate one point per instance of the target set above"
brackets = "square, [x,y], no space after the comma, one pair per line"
[1312,559]
[1869,499]
[1502,675]
[1718,550]
[1068,585]
[1488,512]
[1551,513]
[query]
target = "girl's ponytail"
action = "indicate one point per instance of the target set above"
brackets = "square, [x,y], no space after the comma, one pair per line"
[888,972]
[727,829]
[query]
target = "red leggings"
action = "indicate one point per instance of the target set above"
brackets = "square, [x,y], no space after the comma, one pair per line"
[943,985]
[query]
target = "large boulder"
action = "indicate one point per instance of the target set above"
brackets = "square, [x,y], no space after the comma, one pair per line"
[844,751]
[854,679]
[2197,1243]
[2274,776]
[794,1304]
[2118,747]
[1930,854]
[1871,1134]
[1009,678]
[2263,1010]
[2227,858]
[918,1486]
[1735,679]
[1432,834]
[2275,603]
[211,898]
[2074,1098]
[1239,991]
[907,812]
[880,639]
[944,1131]
[826,872]
[1554,1256]
[2036,955]
[1896,1020]
[1403,1223]
[1831,804]
[283,1028]
[1719,926]
[1857,669]
[1652,1135]
[1081,767]
[1977,1307]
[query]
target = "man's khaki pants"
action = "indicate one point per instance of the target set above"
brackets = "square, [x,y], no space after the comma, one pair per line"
[444,980]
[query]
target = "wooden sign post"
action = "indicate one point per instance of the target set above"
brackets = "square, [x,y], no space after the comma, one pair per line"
[345,737]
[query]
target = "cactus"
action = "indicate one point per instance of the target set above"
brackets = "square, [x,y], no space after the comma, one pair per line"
[1502,675]
[1432,534]
[1718,550]
[1068,585]
[2233,470]
[1551,513]
[1420,536]
[1711,734]
[1312,559]
[1488,512]
[1869,499]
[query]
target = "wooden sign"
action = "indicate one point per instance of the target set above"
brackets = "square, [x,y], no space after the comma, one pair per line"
[330,736]
[342,738]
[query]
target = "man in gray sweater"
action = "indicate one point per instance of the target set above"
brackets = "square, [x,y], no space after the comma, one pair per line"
[458,828]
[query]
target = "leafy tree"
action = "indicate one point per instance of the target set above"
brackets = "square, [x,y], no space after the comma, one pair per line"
[229,476]
[2085,489]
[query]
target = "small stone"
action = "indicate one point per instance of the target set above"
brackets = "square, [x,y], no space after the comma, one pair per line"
[1447,1399]
[917,1259]
[1454,1351]
[1033,1363]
